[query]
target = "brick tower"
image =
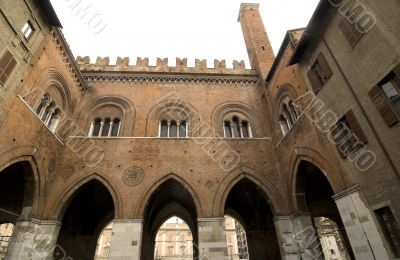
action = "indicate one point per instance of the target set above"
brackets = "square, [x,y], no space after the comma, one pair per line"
[257,42]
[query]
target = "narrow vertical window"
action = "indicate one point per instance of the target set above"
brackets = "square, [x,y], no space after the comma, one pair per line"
[7,65]
[106,127]
[55,118]
[283,124]
[236,127]
[27,30]
[173,130]
[96,127]
[164,129]
[182,129]
[287,116]
[115,127]
[227,129]
[42,105]
[245,129]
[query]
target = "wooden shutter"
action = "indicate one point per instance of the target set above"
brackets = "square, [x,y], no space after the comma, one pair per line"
[326,70]
[350,32]
[383,106]
[355,127]
[7,64]
[315,85]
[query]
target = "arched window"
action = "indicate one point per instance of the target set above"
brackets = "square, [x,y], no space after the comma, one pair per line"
[182,129]
[54,119]
[227,129]
[42,105]
[237,128]
[283,124]
[96,127]
[105,127]
[115,127]
[164,129]
[173,128]
[288,117]
[48,112]
[245,129]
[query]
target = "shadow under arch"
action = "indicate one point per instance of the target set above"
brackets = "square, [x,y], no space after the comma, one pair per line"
[313,196]
[272,194]
[28,154]
[64,199]
[300,154]
[17,193]
[140,210]
[169,197]
[87,211]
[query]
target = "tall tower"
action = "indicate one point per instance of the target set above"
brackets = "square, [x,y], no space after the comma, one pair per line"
[257,42]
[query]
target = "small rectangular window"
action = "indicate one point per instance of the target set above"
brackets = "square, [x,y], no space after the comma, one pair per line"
[27,30]
[7,65]
[348,135]
[390,228]
[386,97]
[319,73]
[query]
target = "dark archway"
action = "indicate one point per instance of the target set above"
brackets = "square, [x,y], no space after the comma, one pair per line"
[314,197]
[248,203]
[89,211]
[16,198]
[16,192]
[170,199]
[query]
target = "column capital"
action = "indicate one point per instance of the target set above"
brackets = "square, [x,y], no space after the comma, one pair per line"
[346,192]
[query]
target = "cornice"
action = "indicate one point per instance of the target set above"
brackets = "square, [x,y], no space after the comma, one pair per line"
[164,78]
[68,58]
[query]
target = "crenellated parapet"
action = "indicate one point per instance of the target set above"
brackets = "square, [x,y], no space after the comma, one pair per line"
[142,66]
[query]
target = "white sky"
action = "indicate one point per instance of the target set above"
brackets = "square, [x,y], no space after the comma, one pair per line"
[203,29]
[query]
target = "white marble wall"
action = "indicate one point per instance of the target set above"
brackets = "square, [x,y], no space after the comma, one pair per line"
[125,243]
[361,226]
[212,239]
[33,240]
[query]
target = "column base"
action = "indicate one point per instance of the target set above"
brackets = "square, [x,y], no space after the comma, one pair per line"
[212,239]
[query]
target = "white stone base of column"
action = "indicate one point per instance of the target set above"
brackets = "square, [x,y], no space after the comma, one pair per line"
[125,242]
[33,239]
[212,239]
[361,227]
[297,238]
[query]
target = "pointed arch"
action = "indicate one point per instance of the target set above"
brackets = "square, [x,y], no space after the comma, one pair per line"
[141,208]
[273,197]
[333,174]
[28,154]
[61,204]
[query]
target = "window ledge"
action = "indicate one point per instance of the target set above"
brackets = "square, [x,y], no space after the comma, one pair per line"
[36,116]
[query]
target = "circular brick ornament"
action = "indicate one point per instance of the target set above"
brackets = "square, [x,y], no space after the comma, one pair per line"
[133,176]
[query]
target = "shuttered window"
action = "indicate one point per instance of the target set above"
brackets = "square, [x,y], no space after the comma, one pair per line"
[350,32]
[390,228]
[348,135]
[7,65]
[319,73]
[386,97]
